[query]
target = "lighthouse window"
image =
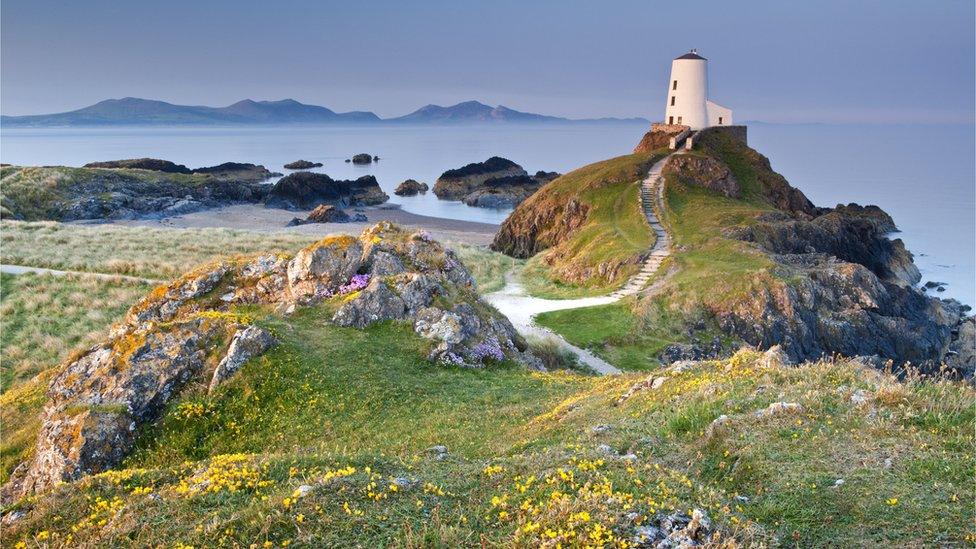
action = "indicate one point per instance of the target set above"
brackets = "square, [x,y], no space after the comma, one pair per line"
[675,85]
[720,121]
[672,100]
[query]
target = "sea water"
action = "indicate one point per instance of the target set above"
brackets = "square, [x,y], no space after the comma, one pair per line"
[923,176]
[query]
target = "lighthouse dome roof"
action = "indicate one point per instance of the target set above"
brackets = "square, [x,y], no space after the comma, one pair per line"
[693,54]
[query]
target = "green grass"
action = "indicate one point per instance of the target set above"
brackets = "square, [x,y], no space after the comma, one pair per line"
[168,253]
[346,390]
[614,235]
[20,409]
[504,426]
[135,251]
[326,398]
[706,272]
[487,267]
[44,317]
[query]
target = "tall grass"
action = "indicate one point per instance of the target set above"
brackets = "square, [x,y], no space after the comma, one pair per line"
[44,317]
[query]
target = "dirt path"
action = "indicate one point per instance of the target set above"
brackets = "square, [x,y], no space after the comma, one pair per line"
[521,308]
[21,269]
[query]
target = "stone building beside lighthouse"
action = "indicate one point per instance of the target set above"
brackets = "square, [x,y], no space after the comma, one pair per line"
[687,100]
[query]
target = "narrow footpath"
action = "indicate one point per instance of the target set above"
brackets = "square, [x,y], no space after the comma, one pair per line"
[521,308]
[22,269]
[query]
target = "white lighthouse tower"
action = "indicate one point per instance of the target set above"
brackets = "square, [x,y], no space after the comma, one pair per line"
[688,103]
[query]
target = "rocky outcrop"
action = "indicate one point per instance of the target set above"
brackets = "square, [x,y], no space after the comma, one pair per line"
[411,187]
[237,170]
[327,213]
[307,190]
[703,171]
[302,165]
[100,398]
[187,335]
[67,194]
[774,187]
[507,192]
[456,184]
[851,233]
[153,164]
[823,306]
[658,138]
[363,158]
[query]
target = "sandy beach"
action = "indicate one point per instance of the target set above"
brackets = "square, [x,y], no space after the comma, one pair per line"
[258,218]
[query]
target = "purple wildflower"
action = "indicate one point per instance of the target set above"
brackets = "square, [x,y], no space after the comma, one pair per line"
[489,348]
[356,283]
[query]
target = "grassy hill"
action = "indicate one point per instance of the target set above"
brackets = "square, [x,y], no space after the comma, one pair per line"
[324,441]
[314,456]
[585,231]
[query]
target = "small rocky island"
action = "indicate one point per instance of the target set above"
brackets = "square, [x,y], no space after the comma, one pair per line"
[364,158]
[302,165]
[507,192]
[307,190]
[411,187]
[494,183]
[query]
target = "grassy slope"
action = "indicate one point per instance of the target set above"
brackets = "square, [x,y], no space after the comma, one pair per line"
[43,318]
[168,253]
[707,270]
[616,230]
[505,427]
[328,398]
[326,394]
[138,251]
[486,266]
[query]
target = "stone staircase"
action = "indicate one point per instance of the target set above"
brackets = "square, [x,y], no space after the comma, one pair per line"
[652,200]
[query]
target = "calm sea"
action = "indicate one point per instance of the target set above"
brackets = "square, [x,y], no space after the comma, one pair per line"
[923,176]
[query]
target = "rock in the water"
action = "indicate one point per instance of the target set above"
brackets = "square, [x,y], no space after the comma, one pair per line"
[411,187]
[458,183]
[507,192]
[153,164]
[306,190]
[302,165]
[363,158]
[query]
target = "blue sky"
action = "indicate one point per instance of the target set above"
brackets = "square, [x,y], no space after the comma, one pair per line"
[827,61]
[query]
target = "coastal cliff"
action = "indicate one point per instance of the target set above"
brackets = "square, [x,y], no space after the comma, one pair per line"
[755,260]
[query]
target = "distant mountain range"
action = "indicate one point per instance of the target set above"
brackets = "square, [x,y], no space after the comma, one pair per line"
[135,111]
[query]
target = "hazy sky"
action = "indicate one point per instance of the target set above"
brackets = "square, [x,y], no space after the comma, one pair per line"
[827,61]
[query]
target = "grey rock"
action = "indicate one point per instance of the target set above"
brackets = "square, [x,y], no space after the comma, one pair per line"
[780,408]
[375,303]
[321,268]
[246,344]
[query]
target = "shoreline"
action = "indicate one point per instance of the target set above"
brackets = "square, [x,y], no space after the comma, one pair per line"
[252,217]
